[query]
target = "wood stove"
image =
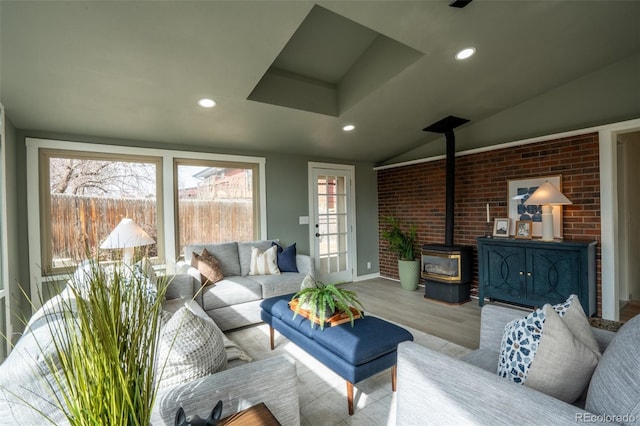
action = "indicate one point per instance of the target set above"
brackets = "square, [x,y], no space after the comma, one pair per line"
[446,267]
[447,270]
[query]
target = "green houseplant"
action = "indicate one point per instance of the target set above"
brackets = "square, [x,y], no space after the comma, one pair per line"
[402,242]
[105,362]
[323,300]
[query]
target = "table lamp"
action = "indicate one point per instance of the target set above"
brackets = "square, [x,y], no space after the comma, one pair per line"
[548,196]
[127,235]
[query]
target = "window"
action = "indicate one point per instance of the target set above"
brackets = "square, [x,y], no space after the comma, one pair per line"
[216,202]
[85,195]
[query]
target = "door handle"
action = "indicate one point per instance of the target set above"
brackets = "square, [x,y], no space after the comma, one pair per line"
[317,234]
[521,273]
[529,274]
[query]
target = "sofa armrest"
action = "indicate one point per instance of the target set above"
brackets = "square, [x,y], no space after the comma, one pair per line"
[493,318]
[439,389]
[305,265]
[182,286]
[271,380]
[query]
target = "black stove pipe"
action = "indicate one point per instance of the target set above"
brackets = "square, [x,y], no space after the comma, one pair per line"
[446,126]
[451,187]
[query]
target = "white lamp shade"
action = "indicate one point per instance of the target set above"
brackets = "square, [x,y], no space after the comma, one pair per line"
[547,193]
[127,234]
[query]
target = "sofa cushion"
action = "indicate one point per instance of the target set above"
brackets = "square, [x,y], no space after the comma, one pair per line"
[231,291]
[226,253]
[244,253]
[275,285]
[551,350]
[287,258]
[264,262]
[190,347]
[615,385]
[208,266]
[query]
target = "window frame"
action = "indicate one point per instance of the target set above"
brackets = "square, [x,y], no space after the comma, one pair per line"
[44,157]
[167,190]
[255,177]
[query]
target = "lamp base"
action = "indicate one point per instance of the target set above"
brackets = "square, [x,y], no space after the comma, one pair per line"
[547,222]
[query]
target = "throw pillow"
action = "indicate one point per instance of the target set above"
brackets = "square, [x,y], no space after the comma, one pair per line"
[308,282]
[208,266]
[286,258]
[550,350]
[264,262]
[190,347]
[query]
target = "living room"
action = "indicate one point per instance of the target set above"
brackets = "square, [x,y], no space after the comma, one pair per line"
[126,75]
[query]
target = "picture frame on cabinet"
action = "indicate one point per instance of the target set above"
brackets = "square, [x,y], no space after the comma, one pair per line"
[518,191]
[523,229]
[501,227]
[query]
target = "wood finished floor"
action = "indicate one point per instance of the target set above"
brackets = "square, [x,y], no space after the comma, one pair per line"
[385,298]
[630,310]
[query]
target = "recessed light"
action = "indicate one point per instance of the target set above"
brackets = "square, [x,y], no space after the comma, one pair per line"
[206,103]
[348,127]
[465,53]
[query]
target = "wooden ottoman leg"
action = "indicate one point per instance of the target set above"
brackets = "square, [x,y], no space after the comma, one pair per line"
[394,377]
[271,340]
[350,397]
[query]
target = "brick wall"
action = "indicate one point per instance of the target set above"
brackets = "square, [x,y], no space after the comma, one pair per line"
[416,193]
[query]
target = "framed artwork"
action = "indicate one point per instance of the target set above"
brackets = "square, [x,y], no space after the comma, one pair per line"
[501,227]
[523,229]
[518,191]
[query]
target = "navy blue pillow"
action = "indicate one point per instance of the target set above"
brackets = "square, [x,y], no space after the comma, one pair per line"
[286,258]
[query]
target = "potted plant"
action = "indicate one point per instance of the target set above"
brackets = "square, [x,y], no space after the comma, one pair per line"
[104,365]
[324,300]
[402,243]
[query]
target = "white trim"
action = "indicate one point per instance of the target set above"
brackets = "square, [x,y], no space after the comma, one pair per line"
[351,170]
[366,277]
[507,145]
[33,200]
[609,215]
[5,291]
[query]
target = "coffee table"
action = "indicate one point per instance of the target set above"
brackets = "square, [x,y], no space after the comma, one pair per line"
[354,353]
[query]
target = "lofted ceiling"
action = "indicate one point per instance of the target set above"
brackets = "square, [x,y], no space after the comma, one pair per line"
[287,75]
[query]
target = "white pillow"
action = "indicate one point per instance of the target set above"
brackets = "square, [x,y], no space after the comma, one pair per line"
[264,262]
[198,349]
[551,350]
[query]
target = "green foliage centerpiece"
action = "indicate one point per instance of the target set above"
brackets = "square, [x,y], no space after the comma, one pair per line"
[323,300]
[105,359]
[402,242]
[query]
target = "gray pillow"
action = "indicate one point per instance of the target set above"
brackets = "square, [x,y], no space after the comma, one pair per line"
[198,349]
[615,385]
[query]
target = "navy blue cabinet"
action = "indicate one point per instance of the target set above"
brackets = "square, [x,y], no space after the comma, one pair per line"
[533,272]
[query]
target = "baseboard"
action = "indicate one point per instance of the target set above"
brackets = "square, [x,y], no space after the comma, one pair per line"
[366,277]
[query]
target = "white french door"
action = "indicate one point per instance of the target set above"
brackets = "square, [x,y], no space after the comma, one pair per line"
[5,301]
[332,224]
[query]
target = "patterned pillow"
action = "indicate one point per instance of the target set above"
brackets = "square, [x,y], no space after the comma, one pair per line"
[551,350]
[208,266]
[264,262]
[190,347]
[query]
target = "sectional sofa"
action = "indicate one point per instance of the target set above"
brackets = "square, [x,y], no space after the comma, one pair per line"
[235,300]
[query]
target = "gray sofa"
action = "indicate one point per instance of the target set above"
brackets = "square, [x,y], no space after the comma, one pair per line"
[235,301]
[434,388]
[272,381]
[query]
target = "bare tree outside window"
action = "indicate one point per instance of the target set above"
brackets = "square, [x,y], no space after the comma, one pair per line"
[88,198]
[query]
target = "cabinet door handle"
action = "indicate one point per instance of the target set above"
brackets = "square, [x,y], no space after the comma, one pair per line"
[529,274]
[521,273]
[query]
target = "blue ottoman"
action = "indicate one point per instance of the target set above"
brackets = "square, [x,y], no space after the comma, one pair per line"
[354,353]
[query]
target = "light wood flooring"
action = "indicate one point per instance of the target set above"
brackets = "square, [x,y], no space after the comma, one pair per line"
[385,298]
[630,310]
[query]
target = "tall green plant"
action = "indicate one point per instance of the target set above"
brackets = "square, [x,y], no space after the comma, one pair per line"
[327,297]
[106,349]
[400,242]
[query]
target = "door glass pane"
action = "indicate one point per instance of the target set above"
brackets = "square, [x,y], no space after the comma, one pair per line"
[216,203]
[3,327]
